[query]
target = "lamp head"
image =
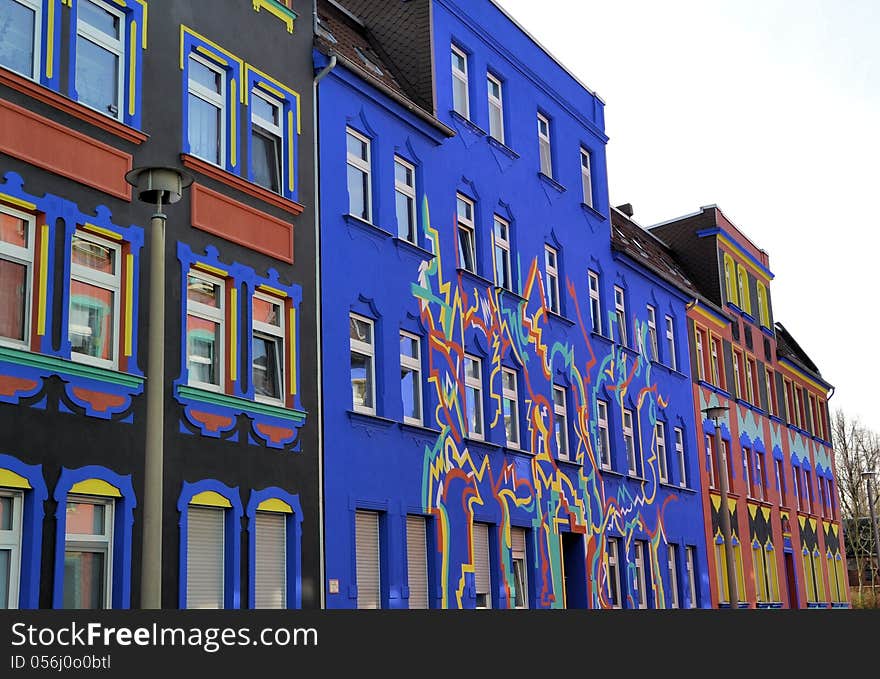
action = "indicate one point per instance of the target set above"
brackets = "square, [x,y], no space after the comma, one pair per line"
[715,412]
[159,185]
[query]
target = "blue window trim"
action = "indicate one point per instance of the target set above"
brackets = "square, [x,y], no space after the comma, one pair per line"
[293,525]
[32,529]
[135,29]
[231,540]
[123,519]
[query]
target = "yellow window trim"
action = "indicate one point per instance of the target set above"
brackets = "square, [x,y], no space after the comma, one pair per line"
[95,487]
[9,479]
[275,505]
[210,498]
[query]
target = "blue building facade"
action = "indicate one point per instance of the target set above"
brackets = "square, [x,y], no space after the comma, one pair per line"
[514,426]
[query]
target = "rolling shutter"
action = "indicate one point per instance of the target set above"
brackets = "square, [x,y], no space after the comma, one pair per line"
[367,547]
[270,586]
[204,557]
[518,543]
[417,561]
[481,560]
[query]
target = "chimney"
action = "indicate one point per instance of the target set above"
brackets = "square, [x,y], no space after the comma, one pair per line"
[626,209]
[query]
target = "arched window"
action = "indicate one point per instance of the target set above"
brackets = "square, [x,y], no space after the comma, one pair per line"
[274,549]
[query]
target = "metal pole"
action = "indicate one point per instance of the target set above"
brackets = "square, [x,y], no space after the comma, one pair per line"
[724,517]
[151,558]
[868,477]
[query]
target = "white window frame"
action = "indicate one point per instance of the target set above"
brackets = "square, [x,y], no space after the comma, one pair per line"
[560,410]
[629,442]
[368,350]
[276,332]
[116,47]
[25,257]
[780,481]
[99,279]
[737,392]
[515,558]
[595,302]
[662,462]
[496,105]
[475,383]
[679,454]
[408,191]
[715,365]
[672,564]
[467,224]
[652,333]
[772,405]
[365,166]
[462,77]
[217,99]
[750,387]
[701,356]
[620,314]
[215,315]
[11,540]
[37,7]
[795,473]
[640,580]
[552,276]
[587,176]
[747,471]
[710,458]
[545,147]
[759,469]
[690,557]
[413,364]
[100,544]
[271,128]
[502,245]
[513,396]
[671,360]
[612,556]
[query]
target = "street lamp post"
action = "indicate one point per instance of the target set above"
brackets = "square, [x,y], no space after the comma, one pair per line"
[156,186]
[869,476]
[715,413]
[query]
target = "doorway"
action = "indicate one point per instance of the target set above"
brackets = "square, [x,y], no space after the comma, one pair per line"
[574,571]
[790,581]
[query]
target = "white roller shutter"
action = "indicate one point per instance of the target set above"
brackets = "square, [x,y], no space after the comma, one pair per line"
[481,564]
[204,557]
[518,543]
[417,561]
[270,569]
[367,547]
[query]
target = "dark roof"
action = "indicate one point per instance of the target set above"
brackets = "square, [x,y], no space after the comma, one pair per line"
[788,348]
[646,249]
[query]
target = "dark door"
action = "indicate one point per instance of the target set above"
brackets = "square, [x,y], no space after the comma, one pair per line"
[574,570]
[791,581]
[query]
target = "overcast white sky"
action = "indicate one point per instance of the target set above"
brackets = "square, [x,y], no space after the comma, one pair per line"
[769,109]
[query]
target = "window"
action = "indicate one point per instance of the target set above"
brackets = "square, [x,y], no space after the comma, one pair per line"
[612,571]
[16,261]
[482,575]
[510,406]
[712,462]
[751,384]
[823,419]
[267,348]
[799,407]
[411,378]
[544,145]
[780,483]
[690,554]
[652,333]
[671,361]
[460,95]
[20,26]
[587,176]
[270,560]
[595,302]
[717,373]
[662,463]
[808,492]
[496,108]
[620,314]
[367,570]
[721,572]
[679,455]
[205,330]
[672,565]
[759,564]
[737,375]
[267,141]
[795,474]
[763,307]
[701,356]
[639,585]
[360,201]
[473,385]
[629,442]
[520,594]
[747,470]
[604,439]
[790,412]
[728,463]
[363,370]
[467,248]
[503,272]
[560,422]
[88,554]
[813,415]
[742,285]
[205,557]
[10,547]
[417,561]
[730,279]
[771,392]
[760,480]
[207,110]
[100,56]
[551,266]
[405,199]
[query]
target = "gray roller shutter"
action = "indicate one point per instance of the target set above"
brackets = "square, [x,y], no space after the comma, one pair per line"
[481,564]
[518,543]
[204,557]
[417,561]
[270,568]
[367,547]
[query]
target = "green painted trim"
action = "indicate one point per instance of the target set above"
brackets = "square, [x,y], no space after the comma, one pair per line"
[65,367]
[286,10]
[241,404]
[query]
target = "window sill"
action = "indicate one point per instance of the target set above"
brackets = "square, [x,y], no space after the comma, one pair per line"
[568,462]
[501,290]
[477,277]
[762,503]
[418,429]
[254,190]
[593,212]
[481,442]
[767,331]
[373,420]
[245,405]
[412,249]
[612,472]
[71,107]
[468,123]
[501,146]
[711,387]
[748,317]
[553,315]
[673,486]
[603,338]
[667,368]
[367,227]
[552,183]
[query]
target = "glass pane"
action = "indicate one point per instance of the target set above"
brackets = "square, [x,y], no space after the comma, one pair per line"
[266,155]
[358,183]
[85,518]
[203,339]
[356,147]
[266,311]
[204,76]
[559,398]
[13,230]
[494,88]
[546,165]
[511,420]
[496,122]
[474,411]
[93,255]
[99,18]
[502,267]
[360,330]
[17,24]
[409,388]
[465,210]
[471,368]
[508,381]
[519,583]
[97,76]
[204,129]
[406,218]
[90,327]
[203,291]
[264,110]
[361,380]
[5,574]
[403,174]
[5,513]
[13,291]
[460,97]
[459,62]
[267,376]
[466,253]
[83,579]
[409,347]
